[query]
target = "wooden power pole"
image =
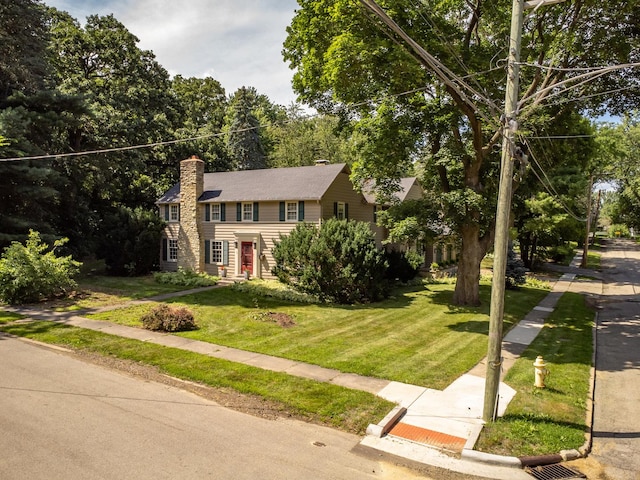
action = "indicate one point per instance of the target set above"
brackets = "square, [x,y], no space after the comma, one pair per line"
[501,243]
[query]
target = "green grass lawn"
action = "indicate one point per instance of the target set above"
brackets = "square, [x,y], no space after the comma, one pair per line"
[6,317]
[99,291]
[416,337]
[543,421]
[339,407]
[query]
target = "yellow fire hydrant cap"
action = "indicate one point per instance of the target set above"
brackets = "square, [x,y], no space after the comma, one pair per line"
[539,362]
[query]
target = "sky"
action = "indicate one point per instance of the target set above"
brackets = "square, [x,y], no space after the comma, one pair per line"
[236,42]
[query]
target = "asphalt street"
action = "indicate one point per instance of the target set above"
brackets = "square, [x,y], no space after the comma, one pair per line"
[616,428]
[62,418]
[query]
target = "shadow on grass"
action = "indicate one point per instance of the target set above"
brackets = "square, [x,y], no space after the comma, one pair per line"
[538,419]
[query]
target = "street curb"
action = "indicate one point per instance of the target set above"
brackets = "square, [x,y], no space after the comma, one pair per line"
[387,422]
[490,458]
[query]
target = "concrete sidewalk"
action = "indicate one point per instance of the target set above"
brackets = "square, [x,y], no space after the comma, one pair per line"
[438,428]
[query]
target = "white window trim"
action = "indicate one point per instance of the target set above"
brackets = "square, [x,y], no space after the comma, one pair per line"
[341,212]
[214,214]
[220,251]
[286,211]
[174,212]
[172,249]
[247,206]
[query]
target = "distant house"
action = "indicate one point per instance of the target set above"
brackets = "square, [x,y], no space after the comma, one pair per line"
[232,220]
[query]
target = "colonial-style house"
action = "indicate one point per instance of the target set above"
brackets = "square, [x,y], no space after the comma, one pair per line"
[232,220]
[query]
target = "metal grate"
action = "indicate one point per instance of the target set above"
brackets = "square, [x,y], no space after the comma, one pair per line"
[553,472]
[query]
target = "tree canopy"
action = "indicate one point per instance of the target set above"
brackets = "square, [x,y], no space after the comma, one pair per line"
[349,61]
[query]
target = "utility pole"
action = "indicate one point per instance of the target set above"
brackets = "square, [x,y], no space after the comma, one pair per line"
[585,250]
[501,243]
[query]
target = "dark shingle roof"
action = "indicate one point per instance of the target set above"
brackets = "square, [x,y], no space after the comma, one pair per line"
[401,195]
[273,184]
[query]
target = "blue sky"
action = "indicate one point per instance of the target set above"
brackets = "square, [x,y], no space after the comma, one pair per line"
[237,42]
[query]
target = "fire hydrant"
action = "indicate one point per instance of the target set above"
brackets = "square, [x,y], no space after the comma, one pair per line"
[540,371]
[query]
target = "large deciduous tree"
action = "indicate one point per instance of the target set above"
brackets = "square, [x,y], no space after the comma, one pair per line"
[348,61]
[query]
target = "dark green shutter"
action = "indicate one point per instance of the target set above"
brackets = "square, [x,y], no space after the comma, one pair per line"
[207,213]
[282,212]
[335,209]
[207,251]
[300,211]
[165,249]
[346,211]
[223,212]
[256,211]
[238,212]
[166,213]
[225,252]
[178,212]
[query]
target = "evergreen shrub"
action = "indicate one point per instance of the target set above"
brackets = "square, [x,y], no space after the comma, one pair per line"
[337,262]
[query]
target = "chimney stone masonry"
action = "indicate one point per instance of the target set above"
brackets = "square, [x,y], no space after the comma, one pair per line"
[190,245]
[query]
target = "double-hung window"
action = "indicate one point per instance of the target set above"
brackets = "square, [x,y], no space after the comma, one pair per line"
[215,212]
[341,211]
[292,211]
[247,212]
[173,250]
[174,212]
[216,251]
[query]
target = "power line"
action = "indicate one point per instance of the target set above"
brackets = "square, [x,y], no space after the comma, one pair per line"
[122,149]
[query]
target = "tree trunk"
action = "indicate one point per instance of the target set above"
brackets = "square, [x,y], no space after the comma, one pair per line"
[467,291]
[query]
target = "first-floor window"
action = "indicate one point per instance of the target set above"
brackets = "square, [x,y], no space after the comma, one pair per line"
[216,251]
[173,250]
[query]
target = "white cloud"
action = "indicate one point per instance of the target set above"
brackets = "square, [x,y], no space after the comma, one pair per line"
[237,42]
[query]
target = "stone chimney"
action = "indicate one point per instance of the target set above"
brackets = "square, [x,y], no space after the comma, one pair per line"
[190,243]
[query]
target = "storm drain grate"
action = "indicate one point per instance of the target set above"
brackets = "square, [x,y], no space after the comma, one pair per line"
[553,472]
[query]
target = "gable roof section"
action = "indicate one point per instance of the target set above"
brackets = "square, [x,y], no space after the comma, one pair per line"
[406,184]
[271,184]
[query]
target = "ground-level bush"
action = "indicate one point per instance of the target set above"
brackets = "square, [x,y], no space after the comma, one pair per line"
[169,319]
[185,278]
[32,272]
[338,261]
[403,266]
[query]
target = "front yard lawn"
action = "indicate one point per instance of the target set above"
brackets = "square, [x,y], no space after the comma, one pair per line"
[542,421]
[416,337]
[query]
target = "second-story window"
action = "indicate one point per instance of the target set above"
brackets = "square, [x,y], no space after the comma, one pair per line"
[341,211]
[215,212]
[247,212]
[174,212]
[292,211]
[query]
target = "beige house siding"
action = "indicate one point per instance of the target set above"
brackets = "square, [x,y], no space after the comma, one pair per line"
[195,232]
[171,231]
[341,190]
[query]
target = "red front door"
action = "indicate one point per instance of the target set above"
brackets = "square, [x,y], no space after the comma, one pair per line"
[246,257]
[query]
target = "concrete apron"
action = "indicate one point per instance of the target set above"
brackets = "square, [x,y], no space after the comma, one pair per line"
[440,428]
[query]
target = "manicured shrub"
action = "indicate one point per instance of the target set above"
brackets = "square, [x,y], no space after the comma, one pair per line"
[169,319]
[337,262]
[32,272]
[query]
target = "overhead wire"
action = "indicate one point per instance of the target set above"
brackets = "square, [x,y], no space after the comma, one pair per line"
[548,186]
